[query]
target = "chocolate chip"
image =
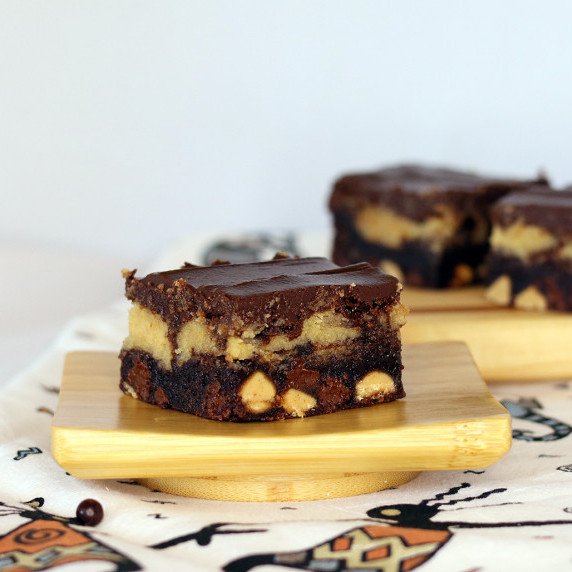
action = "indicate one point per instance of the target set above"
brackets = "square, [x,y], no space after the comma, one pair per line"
[89,512]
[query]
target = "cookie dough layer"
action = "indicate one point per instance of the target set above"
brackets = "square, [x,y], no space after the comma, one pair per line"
[264,341]
[149,332]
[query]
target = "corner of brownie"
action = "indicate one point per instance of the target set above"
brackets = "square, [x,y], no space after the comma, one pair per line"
[289,337]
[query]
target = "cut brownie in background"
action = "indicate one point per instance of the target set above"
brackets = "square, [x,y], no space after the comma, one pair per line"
[429,227]
[290,337]
[530,263]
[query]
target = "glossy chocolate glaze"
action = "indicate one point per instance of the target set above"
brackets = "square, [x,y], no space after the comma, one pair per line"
[538,206]
[287,289]
[414,191]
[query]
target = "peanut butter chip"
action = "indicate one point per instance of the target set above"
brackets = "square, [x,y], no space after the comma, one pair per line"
[530,299]
[258,392]
[373,384]
[500,291]
[462,275]
[297,402]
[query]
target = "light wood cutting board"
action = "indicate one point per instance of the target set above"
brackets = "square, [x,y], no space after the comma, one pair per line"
[507,344]
[449,420]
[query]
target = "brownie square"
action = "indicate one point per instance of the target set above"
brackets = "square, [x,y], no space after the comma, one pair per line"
[290,337]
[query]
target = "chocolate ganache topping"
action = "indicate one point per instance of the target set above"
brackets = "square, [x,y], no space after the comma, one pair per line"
[414,190]
[287,289]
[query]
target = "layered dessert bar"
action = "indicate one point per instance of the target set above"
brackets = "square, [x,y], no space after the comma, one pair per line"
[429,227]
[289,337]
[530,263]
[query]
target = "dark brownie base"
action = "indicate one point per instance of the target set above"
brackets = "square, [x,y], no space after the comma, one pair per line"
[209,387]
[419,265]
[550,277]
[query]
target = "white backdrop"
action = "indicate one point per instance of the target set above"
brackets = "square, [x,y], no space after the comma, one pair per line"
[128,123]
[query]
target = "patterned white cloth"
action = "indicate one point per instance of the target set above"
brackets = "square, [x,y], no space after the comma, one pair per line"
[516,514]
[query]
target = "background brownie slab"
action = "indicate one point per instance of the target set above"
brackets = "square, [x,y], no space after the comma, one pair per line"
[429,226]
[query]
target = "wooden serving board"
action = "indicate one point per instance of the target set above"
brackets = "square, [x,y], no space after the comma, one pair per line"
[449,420]
[507,344]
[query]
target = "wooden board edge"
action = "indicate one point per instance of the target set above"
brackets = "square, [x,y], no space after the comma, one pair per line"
[533,347]
[475,445]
